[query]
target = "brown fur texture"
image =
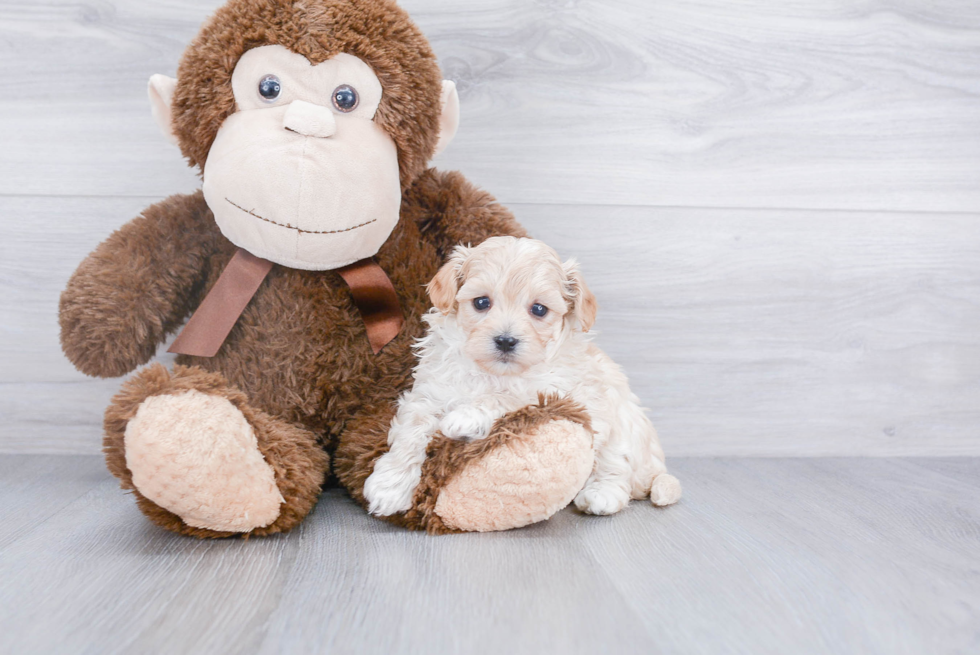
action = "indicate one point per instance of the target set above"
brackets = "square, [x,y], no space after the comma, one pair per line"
[376,31]
[298,354]
[298,462]
[366,440]
[137,287]
[298,363]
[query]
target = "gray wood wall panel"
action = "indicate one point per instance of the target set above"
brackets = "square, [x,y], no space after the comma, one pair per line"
[746,332]
[810,104]
[638,136]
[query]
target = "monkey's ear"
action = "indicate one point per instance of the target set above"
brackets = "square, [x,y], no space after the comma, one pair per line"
[449,118]
[445,285]
[161,90]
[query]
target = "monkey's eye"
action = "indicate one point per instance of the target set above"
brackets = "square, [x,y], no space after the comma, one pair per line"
[345,98]
[481,304]
[538,309]
[269,88]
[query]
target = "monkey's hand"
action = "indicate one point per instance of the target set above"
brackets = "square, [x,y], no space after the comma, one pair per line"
[137,287]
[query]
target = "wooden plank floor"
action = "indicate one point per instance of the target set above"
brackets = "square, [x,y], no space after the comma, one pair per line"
[761,556]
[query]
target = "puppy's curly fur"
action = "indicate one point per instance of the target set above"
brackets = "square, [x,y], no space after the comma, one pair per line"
[510,324]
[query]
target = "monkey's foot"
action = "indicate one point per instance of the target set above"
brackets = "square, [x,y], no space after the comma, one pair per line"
[529,467]
[526,477]
[202,461]
[195,455]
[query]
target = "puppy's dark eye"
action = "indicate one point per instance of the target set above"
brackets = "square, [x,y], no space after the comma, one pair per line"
[345,98]
[481,304]
[538,309]
[270,88]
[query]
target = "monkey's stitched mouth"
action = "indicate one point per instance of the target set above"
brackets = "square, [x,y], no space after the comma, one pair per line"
[298,229]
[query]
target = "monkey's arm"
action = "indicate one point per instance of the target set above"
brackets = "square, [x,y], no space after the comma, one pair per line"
[137,286]
[453,211]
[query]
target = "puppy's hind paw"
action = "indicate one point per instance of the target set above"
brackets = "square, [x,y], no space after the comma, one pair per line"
[602,499]
[666,490]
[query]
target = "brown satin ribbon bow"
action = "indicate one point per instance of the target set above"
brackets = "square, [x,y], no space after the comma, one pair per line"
[373,293]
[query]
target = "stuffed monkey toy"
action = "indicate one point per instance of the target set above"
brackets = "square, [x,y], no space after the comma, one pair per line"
[302,263]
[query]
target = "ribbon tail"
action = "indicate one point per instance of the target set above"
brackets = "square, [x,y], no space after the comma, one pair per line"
[210,325]
[376,300]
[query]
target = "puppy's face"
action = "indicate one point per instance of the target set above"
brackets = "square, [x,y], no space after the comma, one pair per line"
[515,301]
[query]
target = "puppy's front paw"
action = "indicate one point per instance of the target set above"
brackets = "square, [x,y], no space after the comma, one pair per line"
[466,422]
[602,499]
[390,488]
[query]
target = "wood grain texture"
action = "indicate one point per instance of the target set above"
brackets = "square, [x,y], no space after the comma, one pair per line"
[811,104]
[785,332]
[761,556]
[745,332]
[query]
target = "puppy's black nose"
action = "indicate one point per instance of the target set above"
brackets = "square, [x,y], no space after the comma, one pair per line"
[505,342]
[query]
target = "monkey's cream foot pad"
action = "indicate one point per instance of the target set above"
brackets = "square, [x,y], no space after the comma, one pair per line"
[195,455]
[526,480]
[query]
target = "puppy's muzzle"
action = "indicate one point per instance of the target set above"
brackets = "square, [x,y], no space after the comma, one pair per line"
[505,343]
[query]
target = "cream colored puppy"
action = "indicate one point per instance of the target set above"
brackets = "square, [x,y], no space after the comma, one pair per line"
[509,322]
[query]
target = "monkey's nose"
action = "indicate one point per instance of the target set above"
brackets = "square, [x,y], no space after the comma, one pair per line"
[309,120]
[505,342]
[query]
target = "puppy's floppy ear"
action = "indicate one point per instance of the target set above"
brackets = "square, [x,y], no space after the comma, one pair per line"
[584,305]
[442,289]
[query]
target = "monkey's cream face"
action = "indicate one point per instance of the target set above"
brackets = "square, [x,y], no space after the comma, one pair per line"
[301,174]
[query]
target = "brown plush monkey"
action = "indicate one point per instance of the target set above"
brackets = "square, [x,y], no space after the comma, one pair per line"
[312,122]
